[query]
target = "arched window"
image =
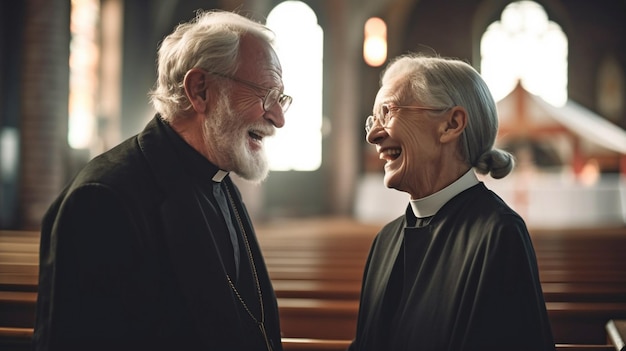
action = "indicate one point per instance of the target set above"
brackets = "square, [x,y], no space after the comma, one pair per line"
[84,64]
[298,145]
[95,72]
[525,46]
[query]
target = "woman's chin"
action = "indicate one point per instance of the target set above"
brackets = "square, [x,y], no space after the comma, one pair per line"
[389,180]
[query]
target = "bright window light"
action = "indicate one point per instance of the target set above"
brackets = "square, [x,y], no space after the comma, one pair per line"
[525,46]
[84,60]
[298,145]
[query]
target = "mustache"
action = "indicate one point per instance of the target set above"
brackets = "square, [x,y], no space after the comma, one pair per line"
[263,129]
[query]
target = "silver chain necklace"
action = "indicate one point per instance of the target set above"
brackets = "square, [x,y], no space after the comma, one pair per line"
[261,323]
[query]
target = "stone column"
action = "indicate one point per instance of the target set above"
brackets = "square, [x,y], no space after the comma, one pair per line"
[44,71]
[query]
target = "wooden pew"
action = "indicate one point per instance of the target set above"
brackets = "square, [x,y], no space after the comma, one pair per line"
[572,322]
[306,344]
[339,283]
[579,323]
[19,339]
[17,308]
[318,318]
[317,289]
[584,292]
[19,260]
[579,347]
[351,289]
[326,267]
[16,339]
[583,322]
[581,274]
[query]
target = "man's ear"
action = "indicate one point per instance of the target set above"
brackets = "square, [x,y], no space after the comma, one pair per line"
[195,84]
[453,125]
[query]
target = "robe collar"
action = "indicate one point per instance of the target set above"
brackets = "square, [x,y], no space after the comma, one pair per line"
[203,167]
[429,205]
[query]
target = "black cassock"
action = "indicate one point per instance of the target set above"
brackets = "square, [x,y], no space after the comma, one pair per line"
[465,280]
[137,254]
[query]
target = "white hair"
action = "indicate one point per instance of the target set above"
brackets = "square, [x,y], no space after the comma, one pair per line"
[210,41]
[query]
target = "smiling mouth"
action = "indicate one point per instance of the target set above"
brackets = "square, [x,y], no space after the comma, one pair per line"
[390,154]
[255,135]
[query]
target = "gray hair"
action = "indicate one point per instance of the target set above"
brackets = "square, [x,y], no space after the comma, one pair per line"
[436,81]
[210,41]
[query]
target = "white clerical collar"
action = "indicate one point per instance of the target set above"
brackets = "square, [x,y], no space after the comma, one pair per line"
[429,205]
[219,176]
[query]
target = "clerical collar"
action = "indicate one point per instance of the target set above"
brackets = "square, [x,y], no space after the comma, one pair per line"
[429,205]
[200,167]
[219,176]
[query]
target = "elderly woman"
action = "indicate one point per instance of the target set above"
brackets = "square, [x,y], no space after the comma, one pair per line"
[458,270]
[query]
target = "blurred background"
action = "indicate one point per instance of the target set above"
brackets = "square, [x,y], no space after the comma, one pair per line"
[75,76]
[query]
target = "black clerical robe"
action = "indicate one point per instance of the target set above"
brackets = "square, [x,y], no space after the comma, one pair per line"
[136,255]
[467,280]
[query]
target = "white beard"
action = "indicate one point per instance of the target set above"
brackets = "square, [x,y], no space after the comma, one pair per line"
[227,135]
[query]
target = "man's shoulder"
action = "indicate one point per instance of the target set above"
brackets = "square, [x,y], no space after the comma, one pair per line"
[126,162]
[123,162]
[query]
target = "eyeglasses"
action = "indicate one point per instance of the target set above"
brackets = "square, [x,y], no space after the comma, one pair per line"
[385,116]
[271,97]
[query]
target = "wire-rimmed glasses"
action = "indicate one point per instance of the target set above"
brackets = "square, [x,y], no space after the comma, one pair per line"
[271,97]
[385,116]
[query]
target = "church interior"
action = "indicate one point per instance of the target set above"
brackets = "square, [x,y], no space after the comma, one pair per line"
[75,77]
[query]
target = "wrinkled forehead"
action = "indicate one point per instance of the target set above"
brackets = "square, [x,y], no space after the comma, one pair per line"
[257,56]
[393,90]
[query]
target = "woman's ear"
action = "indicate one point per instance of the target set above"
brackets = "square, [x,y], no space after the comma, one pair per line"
[454,124]
[196,84]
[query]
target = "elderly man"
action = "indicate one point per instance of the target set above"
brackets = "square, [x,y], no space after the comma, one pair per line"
[457,271]
[150,247]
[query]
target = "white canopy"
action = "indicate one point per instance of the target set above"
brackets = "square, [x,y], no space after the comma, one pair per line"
[574,117]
